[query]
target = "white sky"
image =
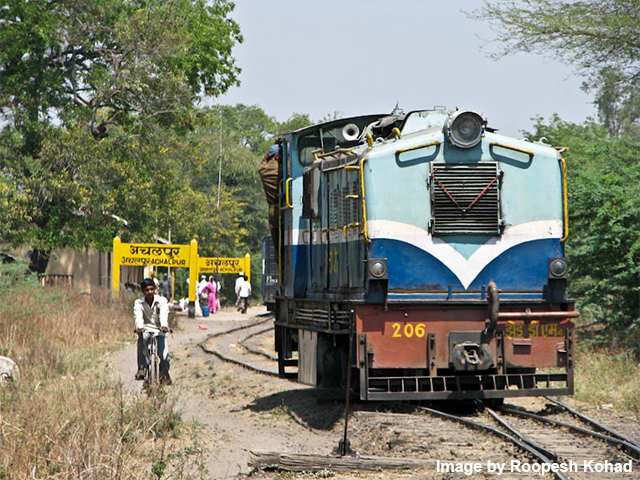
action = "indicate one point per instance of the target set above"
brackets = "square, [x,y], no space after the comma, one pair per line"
[361,56]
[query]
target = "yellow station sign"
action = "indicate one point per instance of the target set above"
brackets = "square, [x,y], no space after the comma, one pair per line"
[225,265]
[156,255]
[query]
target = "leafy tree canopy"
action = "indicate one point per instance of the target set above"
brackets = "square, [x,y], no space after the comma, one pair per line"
[590,33]
[235,138]
[96,99]
[599,37]
[112,61]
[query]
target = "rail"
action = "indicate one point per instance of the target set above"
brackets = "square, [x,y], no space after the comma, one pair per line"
[256,351]
[505,436]
[628,447]
[546,452]
[224,358]
[593,423]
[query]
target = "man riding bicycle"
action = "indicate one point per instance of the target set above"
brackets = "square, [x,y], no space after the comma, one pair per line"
[151,315]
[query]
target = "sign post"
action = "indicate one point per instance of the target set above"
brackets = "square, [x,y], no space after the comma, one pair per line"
[157,255]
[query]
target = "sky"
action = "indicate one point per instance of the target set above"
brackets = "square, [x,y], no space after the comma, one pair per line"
[353,57]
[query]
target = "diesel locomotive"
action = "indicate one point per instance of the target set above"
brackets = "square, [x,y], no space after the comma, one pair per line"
[421,254]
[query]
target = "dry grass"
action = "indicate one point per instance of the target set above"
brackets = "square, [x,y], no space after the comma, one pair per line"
[608,377]
[66,419]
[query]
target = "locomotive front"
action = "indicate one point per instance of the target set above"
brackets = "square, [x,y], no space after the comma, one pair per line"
[440,244]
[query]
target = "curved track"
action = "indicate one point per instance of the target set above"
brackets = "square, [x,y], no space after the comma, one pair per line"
[206,346]
[257,351]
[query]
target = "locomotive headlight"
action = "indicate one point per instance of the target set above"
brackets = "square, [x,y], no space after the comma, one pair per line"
[377,268]
[465,128]
[558,268]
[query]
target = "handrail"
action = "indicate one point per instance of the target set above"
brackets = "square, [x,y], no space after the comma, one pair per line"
[369,138]
[364,202]
[287,194]
[510,147]
[565,200]
[561,314]
[348,226]
[417,147]
[333,153]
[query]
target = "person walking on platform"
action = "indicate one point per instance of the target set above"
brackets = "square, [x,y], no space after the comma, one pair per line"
[211,289]
[201,294]
[218,285]
[165,287]
[239,280]
[244,292]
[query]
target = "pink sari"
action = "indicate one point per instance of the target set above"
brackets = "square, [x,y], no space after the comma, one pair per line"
[210,288]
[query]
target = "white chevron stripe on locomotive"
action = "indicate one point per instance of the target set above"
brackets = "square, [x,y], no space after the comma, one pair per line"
[465,269]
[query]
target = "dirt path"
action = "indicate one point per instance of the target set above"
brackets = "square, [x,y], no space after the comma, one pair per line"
[237,409]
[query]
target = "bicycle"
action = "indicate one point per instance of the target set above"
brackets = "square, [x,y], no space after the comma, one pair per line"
[152,360]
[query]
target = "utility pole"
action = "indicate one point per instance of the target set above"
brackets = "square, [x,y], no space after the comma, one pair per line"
[219,156]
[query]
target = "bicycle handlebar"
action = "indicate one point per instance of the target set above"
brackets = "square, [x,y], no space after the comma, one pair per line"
[154,330]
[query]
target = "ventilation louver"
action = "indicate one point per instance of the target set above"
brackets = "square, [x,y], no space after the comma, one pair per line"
[465,199]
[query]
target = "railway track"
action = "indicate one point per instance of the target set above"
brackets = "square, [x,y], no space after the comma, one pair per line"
[555,446]
[562,449]
[257,351]
[225,356]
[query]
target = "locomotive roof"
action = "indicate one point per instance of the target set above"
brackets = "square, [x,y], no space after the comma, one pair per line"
[333,123]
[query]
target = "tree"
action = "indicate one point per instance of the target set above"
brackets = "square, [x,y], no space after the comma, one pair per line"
[244,133]
[112,58]
[91,94]
[604,213]
[231,140]
[617,101]
[600,37]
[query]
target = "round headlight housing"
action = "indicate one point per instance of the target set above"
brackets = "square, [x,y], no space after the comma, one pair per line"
[377,269]
[558,268]
[465,128]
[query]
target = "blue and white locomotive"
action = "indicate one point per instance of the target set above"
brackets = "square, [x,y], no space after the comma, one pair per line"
[425,251]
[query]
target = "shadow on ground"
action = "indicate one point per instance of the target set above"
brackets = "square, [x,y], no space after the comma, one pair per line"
[314,408]
[322,409]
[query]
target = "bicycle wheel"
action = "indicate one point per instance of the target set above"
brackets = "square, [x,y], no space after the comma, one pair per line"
[147,368]
[155,363]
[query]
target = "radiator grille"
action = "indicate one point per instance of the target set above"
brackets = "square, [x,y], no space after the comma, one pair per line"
[465,199]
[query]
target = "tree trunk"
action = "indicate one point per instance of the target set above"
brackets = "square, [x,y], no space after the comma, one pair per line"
[39,260]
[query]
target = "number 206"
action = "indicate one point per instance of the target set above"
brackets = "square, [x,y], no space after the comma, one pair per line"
[408,330]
